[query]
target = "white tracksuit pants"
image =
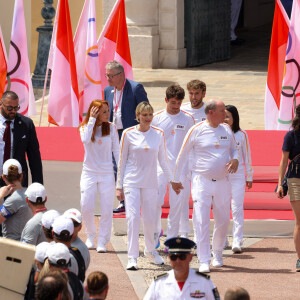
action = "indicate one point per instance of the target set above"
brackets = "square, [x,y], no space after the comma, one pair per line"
[238,184]
[140,202]
[90,184]
[205,192]
[179,211]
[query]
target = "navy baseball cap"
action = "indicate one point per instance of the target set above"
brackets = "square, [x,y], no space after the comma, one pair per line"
[179,245]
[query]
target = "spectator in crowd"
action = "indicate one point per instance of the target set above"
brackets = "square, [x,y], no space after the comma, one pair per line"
[14,212]
[237,180]
[192,284]
[175,124]
[142,146]
[63,229]
[97,285]
[54,286]
[215,154]
[59,258]
[100,139]
[236,293]
[47,221]
[75,215]
[40,257]
[123,96]
[36,198]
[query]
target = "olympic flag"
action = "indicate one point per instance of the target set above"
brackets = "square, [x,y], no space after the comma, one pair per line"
[18,75]
[3,64]
[278,47]
[63,95]
[87,60]
[113,43]
[290,95]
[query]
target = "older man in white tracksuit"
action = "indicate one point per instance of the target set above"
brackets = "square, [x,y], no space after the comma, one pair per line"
[213,144]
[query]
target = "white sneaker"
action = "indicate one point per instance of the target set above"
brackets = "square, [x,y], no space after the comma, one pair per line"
[226,243]
[100,247]
[90,243]
[155,257]
[132,264]
[218,259]
[204,267]
[236,247]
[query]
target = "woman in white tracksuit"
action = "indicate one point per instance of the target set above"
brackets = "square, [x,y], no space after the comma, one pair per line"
[237,180]
[100,139]
[141,147]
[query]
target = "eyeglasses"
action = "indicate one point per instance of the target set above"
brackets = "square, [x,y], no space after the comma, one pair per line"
[181,256]
[10,108]
[111,76]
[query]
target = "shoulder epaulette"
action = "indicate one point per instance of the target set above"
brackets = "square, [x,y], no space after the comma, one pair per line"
[203,275]
[160,276]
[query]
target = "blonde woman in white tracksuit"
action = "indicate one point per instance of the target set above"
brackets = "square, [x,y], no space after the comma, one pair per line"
[100,139]
[141,147]
[237,180]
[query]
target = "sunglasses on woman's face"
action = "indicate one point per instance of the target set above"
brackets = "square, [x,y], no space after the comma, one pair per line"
[181,256]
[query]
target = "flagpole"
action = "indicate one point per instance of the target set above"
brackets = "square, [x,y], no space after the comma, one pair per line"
[43,99]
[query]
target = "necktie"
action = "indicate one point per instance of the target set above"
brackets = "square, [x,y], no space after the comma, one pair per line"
[7,140]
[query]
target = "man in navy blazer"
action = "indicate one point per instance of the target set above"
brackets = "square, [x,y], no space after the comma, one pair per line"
[24,139]
[123,96]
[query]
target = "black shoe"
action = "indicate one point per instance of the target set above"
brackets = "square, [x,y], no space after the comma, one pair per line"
[120,209]
[237,42]
[298,265]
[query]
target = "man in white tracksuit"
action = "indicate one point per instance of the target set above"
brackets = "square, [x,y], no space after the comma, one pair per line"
[213,144]
[175,124]
[196,107]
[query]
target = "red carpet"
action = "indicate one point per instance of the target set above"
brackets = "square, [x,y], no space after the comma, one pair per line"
[64,144]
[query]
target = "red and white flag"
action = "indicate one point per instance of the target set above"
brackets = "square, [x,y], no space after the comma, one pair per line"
[3,64]
[18,74]
[63,95]
[290,94]
[87,58]
[278,47]
[113,43]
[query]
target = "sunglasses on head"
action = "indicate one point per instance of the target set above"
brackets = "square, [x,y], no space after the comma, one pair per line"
[181,256]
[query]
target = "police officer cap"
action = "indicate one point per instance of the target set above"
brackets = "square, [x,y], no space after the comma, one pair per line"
[179,245]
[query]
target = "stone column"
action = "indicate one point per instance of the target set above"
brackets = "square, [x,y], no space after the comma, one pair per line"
[172,53]
[142,24]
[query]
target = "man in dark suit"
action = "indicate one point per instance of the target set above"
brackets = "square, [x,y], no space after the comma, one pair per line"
[123,96]
[18,138]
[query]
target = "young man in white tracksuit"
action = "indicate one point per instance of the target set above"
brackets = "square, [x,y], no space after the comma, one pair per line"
[175,124]
[212,144]
[196,107]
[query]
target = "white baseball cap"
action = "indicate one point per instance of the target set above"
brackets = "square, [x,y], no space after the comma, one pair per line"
[73,214]
[58,254]
[62,223]
[36,193]
[11,162]
[49,217]
[41,250]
